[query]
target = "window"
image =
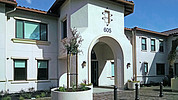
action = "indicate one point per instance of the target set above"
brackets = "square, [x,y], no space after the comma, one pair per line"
[20,69]
[144,44]
[160,69]
[42,69]
[145,68]
[153,45]
[161,47]
[64,29]
[112,69]
[176,69]
[31,30]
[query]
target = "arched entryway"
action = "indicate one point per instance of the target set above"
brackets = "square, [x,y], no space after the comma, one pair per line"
[106,68]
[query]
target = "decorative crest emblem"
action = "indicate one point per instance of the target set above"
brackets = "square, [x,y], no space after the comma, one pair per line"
[107,17]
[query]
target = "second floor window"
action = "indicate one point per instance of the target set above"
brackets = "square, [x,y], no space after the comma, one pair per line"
[64,29]
[144,44]
[161,47]
[31,30]
[153,45]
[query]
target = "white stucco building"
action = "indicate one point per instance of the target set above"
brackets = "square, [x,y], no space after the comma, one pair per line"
[32,54]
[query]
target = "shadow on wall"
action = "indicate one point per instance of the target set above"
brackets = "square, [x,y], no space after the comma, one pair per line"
[152,76]
[48,53]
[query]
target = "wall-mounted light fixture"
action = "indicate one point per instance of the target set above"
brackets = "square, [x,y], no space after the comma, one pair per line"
[83,64]
[128,65]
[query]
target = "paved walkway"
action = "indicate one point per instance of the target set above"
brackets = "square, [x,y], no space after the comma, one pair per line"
[146,93]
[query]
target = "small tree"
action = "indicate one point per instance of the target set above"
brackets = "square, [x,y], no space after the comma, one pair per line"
[72,44]
[172,55]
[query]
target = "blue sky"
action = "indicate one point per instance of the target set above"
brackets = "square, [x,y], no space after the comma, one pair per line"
[156,15]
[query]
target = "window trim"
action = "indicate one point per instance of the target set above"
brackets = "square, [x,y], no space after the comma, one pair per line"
[24,29]
[25,69]
[144,44]
[153,45]
[47,69]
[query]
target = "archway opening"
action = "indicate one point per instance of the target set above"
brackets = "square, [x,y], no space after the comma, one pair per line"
[106,63]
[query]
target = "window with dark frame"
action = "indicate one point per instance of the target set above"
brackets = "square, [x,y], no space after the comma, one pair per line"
[160,69]
[161,46]
[42,69]
[145,67]
[176,69]
[31,30]
[144,44]
[20,70]
[64,29]
[153,47]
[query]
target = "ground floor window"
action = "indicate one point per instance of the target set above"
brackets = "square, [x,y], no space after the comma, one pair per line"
[146,68]
[160,68]
[176,69]
[42,69]
[112,69]
[20,69]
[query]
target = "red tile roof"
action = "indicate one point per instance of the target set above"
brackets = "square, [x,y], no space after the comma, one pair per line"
[31,10]
[145,30]
[129,6]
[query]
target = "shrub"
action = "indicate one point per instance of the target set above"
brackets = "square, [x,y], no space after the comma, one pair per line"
[6,98]
[62,89]
[37,96]
[21,98]
[43,94]
[27,95]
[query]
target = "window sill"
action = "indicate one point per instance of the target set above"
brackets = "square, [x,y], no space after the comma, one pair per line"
[42,81]
[144,50]
[153,51]
[19,82]
[29,41]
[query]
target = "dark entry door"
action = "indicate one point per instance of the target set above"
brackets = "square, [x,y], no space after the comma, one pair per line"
[94,73]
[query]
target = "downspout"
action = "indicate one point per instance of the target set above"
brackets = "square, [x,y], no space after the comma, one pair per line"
[8,12]
[6,50]
[134,54]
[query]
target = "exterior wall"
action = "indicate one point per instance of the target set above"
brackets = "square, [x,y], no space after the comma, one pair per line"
[2,47]
[87,18]
[151,57]
[32,52]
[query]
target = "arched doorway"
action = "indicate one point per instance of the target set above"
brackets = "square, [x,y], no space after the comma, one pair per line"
[107,69]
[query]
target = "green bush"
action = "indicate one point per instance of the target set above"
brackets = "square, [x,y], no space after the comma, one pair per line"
[27,95]
[37,96]
[62,89]
[6,98]
[21,98]
[43,94]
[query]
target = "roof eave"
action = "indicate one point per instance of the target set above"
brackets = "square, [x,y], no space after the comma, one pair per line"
[128,6]
[12,3]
